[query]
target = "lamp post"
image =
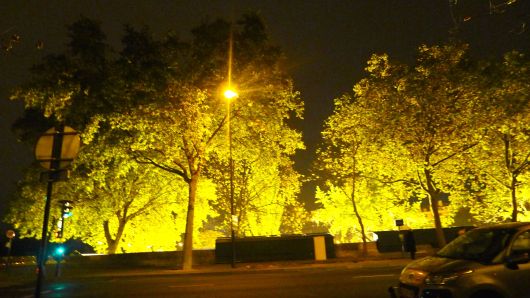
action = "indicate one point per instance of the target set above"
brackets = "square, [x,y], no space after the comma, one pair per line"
[230,95]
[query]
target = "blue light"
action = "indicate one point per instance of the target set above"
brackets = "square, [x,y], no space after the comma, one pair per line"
[59,250]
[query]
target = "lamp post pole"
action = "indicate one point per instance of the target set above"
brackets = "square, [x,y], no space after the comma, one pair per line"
[232,213]
[230,95]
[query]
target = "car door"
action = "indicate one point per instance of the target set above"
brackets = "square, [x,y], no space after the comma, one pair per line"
[514,276]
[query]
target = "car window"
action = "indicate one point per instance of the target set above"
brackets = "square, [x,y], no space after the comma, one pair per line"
[481,245]
[521,244]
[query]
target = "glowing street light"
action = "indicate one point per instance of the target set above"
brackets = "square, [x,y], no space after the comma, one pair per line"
[230,94]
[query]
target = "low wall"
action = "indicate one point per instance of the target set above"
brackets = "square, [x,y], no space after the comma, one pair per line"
[173,259]
[169,259]
[389,241]
[354,250]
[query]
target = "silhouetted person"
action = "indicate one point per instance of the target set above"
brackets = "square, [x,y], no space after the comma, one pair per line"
[409,243]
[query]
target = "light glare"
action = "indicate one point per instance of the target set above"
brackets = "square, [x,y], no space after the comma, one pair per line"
[230,94]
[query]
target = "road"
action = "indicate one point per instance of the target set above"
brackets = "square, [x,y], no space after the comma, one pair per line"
[339,280]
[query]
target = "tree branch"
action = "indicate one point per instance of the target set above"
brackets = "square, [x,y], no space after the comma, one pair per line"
[467,147]
[163,167]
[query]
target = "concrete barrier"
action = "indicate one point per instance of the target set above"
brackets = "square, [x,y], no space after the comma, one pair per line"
[168,259]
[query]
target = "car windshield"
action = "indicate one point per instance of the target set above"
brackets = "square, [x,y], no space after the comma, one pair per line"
[481,245]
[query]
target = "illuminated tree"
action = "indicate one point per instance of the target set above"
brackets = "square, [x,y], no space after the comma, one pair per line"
[126,197]
[378,209]
[294,219]
[273,195]
[158,101]
[117,203]
[340,157]
[264,188]
[430,109]
[500,164]
[179,129]
[359,176]
[71,87]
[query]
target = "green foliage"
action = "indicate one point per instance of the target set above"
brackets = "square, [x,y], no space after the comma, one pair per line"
[361,192]
[152,120]
[498,168]
[263,189]
[430,110]
[378,212]
[443,125]
[26,211]
[294,219]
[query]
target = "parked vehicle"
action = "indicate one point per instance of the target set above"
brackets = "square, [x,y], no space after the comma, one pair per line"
[486,262]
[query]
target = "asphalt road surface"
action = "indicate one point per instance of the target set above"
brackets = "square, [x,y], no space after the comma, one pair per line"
[327,281]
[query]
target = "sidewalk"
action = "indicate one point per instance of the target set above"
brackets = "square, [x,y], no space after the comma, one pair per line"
[22,275]
[258,266]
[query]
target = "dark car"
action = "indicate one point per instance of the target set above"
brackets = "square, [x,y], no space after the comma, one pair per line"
[486,262]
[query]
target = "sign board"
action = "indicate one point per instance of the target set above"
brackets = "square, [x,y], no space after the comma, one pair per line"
[399,222]
[68,150]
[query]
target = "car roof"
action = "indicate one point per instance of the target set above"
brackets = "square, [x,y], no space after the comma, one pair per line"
[507,225]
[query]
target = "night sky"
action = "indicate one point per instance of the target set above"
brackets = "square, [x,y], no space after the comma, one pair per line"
[327,43]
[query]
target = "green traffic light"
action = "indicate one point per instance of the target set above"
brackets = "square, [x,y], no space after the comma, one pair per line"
[59,250]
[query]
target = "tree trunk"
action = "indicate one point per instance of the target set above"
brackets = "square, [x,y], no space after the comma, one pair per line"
[513,189]
[440,237]
[359,218]
[509,163]
[187,260]
[112,244]
[434,195]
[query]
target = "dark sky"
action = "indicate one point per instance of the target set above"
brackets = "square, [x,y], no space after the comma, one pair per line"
[327,43]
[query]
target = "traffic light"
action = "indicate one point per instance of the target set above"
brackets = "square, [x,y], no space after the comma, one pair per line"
[59,231]
[66,211]
[58,252]
[66,208]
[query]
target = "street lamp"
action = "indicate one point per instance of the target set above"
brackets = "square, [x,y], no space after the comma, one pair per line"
[230,95]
